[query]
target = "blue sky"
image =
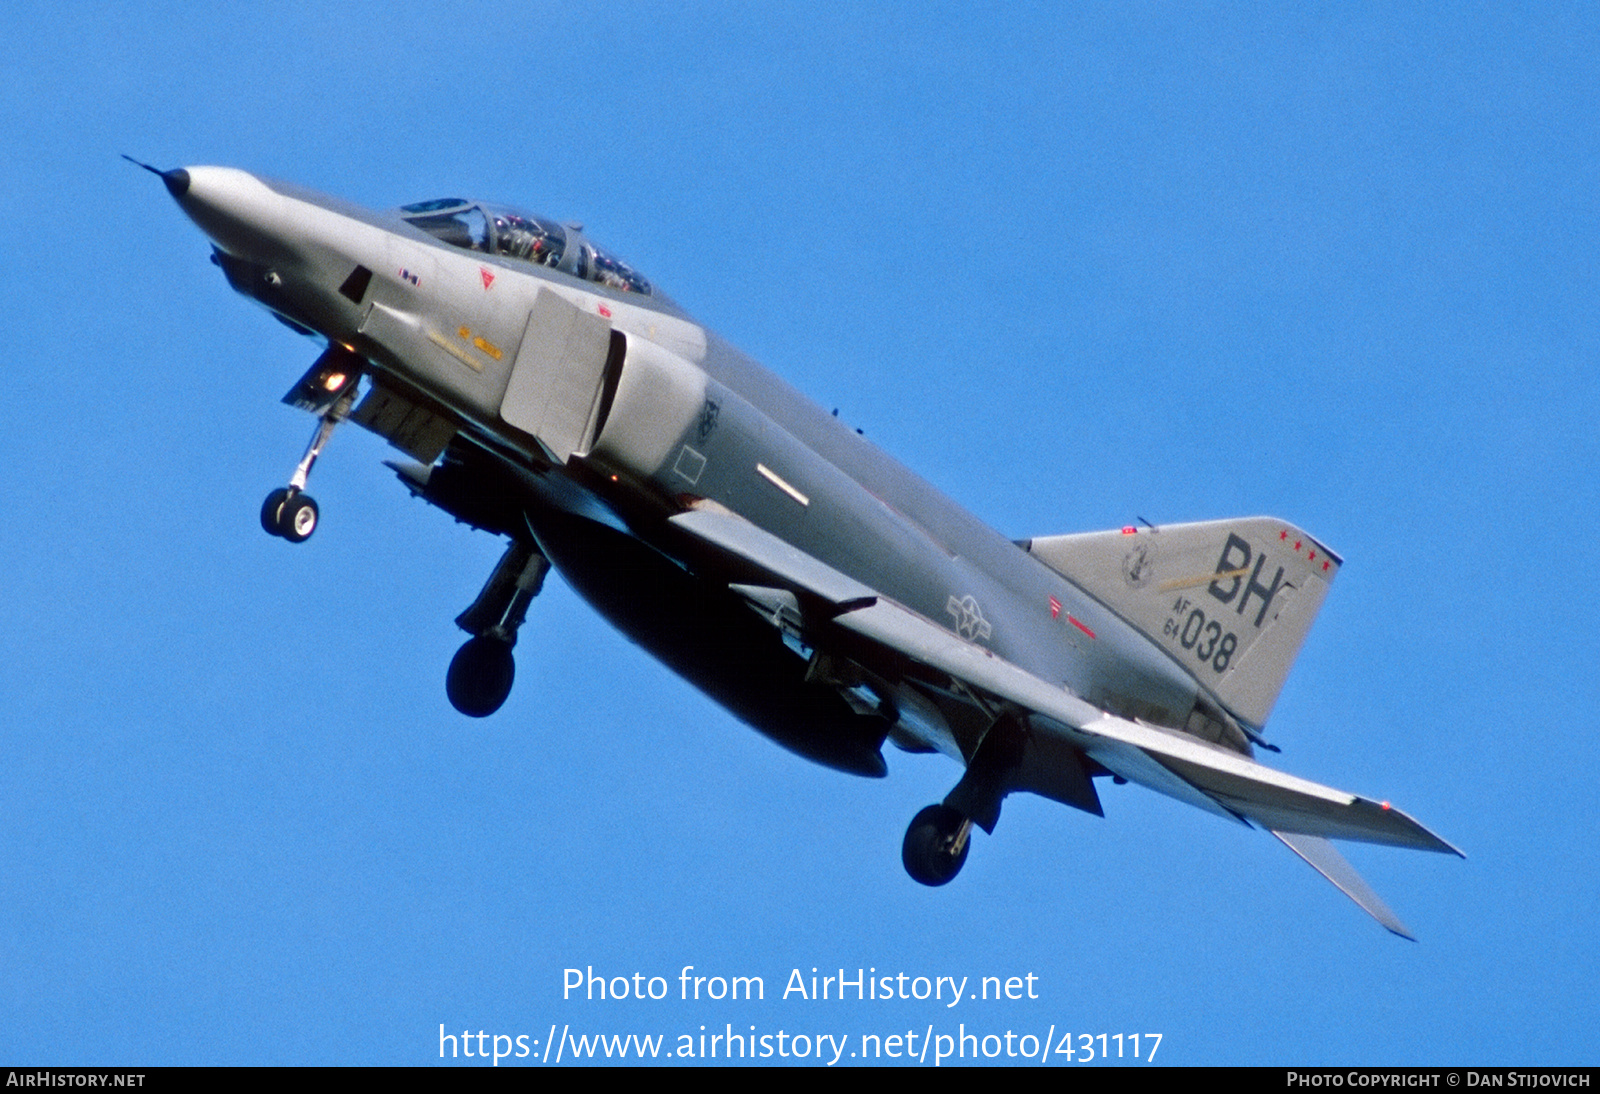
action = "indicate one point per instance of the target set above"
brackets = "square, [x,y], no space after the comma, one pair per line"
[1332,263]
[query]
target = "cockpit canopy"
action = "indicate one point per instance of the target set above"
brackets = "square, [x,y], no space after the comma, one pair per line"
[497,230]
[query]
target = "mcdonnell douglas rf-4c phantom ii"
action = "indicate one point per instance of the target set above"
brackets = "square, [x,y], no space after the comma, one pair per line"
[546,392]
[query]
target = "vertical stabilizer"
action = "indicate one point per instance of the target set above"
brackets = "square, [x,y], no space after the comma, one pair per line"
[1230,600]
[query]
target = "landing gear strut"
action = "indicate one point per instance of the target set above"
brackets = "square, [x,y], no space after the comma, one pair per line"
[483,669]
[936,845]
[328,391]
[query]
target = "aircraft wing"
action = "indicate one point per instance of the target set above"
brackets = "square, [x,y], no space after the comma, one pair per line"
[1182,764]
[1303,814]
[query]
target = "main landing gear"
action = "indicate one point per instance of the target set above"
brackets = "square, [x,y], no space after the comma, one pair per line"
[937,842]
[483,670]
[329,391]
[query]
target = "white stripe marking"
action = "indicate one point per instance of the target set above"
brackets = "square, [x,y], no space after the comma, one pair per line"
[772,476]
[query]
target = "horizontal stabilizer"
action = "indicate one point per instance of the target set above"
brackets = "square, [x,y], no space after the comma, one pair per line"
[1326,860]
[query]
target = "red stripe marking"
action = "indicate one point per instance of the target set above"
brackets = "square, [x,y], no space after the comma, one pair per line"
[1074,621]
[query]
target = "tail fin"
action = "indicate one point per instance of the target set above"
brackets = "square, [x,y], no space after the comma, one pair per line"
[1231,600]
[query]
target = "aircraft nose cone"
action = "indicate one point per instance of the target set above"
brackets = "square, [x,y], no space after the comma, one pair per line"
[241,214]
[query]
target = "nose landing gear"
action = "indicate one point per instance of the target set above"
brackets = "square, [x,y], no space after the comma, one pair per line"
[328,391]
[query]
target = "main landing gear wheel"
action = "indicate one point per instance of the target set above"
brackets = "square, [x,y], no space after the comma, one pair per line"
[480,676]
[936,845]
[483,669]
[290,514]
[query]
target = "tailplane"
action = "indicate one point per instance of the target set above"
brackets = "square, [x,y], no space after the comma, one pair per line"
[1326,860]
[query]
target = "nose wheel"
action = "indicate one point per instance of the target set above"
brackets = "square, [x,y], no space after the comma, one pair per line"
[936,845]
[290,514]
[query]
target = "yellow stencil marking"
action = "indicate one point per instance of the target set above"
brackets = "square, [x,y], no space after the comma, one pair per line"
[453,350]
[483,344]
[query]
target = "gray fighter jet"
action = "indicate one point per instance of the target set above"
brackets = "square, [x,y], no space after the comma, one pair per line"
[547,392]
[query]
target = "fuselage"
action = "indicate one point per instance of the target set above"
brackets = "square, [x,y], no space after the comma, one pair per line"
[590,382]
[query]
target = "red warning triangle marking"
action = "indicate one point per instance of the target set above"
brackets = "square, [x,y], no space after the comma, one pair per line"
[488,278]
